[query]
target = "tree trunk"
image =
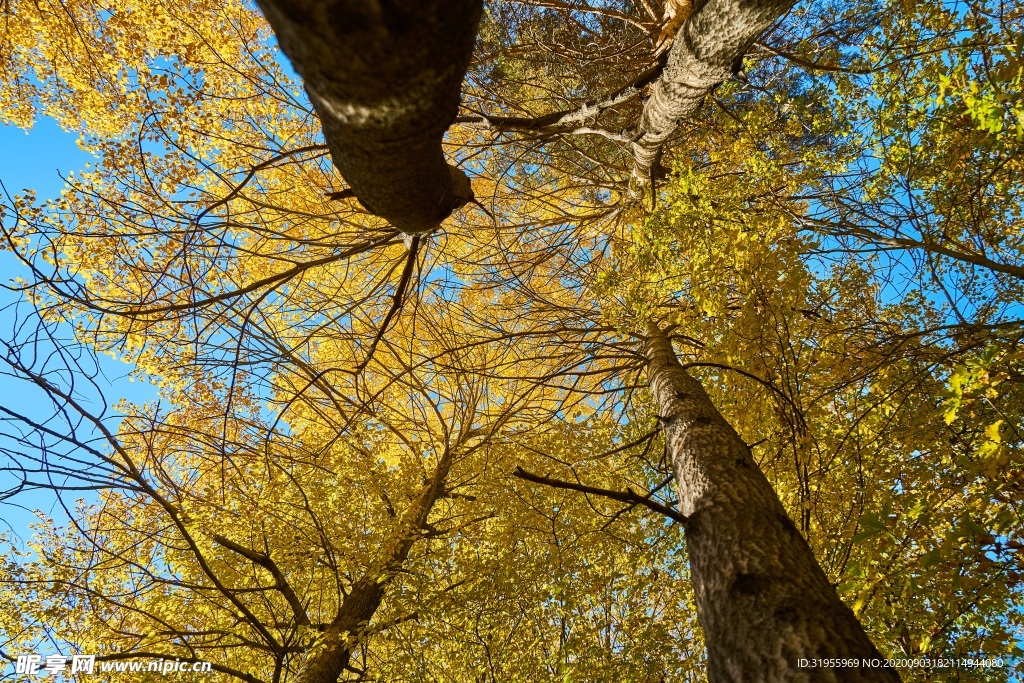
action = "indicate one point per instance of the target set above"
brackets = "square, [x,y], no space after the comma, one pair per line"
[384,77]
[706,51]
[326,662]
[762,599]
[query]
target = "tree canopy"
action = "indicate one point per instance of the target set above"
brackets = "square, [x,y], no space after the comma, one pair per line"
[404,280]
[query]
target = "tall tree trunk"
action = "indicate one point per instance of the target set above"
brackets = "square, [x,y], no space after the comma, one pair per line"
[326,662]
[762,599]
[384,77]
[706,51]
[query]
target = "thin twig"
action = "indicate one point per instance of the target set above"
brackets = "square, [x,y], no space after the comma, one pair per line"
[396,304]
[252,172]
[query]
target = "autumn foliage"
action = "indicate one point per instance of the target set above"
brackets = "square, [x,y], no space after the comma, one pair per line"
[831,237]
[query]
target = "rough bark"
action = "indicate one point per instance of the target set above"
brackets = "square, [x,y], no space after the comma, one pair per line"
[762,599]
[706,51]
[384,77]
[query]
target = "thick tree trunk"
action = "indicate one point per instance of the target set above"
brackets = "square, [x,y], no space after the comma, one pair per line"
[384,77]
[762,599]
[328,662]
[707,50]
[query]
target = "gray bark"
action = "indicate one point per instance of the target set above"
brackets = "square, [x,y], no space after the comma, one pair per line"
[762,599]
[707,50]
[384,77]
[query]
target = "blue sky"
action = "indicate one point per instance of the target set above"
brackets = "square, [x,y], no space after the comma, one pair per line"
[36,160]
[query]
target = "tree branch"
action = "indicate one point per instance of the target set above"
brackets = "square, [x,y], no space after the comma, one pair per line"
[280,582]
[926,245]
[627,496]
[568,120]
[396,303]
[587,9]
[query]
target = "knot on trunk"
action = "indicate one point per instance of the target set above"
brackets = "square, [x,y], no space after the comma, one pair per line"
[462,189]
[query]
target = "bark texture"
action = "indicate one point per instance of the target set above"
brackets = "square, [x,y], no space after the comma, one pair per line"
[384,77]
[762,599]
[706,51]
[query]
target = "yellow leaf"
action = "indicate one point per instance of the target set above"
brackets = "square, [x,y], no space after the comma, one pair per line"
[992,431]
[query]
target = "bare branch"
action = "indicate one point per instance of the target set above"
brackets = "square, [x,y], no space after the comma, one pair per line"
[627,496]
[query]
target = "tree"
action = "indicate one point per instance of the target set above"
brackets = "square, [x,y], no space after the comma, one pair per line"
[384,81]
[761,248]
[279,554]
[763,600]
